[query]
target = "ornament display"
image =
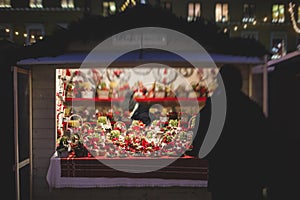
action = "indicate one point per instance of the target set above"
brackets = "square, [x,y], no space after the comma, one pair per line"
[93,119]
[165,75]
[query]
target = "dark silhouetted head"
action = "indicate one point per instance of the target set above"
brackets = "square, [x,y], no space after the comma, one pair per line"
[232,77]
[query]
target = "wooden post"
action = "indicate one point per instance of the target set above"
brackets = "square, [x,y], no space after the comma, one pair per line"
[30,137]
[16,135]
[27,161]
[250,83]
[265,86]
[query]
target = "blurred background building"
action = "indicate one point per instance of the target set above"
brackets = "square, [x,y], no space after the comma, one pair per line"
[269,22]
[26,22]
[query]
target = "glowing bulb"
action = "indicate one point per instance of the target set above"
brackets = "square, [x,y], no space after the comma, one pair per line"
[245,26]
[265,19]
[113,8]
[7,30]
[235,28]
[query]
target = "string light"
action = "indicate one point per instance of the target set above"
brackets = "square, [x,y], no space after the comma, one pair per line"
[291,10]
[126,4]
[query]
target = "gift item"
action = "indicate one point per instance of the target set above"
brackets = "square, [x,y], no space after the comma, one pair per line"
[102,94]
[63,147]
[159,91]
[70,90]
[102,90]
[86,90]
[181,91]
[87,94]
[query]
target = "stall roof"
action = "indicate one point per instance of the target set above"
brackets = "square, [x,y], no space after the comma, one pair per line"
[288,61]
[284,59]
[78,58]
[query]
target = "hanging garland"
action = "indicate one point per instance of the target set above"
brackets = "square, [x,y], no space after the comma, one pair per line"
[165,75]
[291,10]
[127,3]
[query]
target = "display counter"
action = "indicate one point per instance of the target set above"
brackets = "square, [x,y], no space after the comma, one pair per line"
[131,119]
[90,172]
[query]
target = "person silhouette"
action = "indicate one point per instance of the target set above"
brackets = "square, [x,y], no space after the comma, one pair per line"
[139,111]
[237,162]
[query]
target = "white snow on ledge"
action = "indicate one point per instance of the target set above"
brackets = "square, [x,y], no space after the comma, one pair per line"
[78,58]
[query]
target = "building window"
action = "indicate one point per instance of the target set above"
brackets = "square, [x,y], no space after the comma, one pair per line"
[36,4]
[277,48]
[278,13]
[194,11]
[109,8]
[249,35]
[222,13]
[5,4]
[34,33]
[167,5]
[67,3]
[278,45]
[248,12]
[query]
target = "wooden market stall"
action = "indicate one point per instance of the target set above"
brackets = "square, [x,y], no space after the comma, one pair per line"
[52,64]
[44,130]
